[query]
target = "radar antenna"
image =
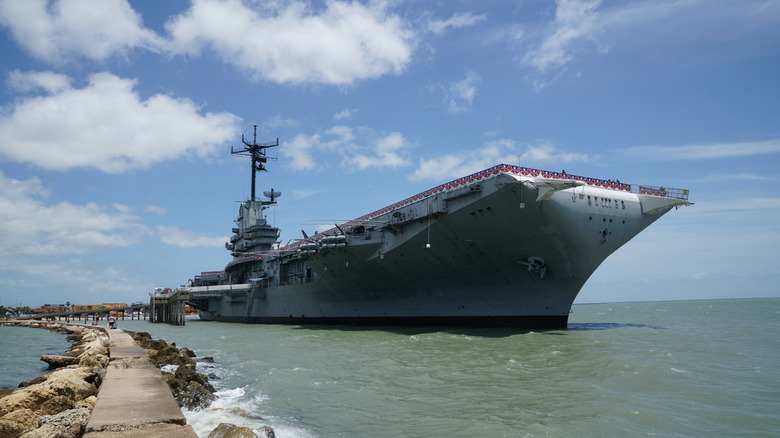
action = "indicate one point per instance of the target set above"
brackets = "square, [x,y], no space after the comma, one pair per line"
[257,152]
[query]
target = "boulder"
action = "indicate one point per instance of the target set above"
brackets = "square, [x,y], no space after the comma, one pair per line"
[188,374]
[72,423]
[47,431]
[195,396]
[268,432]
[27,398]
[170,355]
[62,388]
[14,424]
[146,341]
[227,430]
[88,402]
[97,361]
[190,389]
[59,361]
[72,382]
[39,379]
[55,405]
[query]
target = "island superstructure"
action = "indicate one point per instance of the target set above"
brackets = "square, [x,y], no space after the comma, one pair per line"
[506,246]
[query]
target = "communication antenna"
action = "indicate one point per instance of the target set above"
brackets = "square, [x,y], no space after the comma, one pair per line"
[259,158]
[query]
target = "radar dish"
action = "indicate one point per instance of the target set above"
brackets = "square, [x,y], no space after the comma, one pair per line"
[272,194]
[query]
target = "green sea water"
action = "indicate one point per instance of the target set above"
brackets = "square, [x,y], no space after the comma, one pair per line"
[20,351]
[668,369]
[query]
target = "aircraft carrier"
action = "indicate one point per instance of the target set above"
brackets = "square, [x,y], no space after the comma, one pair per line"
[506,246]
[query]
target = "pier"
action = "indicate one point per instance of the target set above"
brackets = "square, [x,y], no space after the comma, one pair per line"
[134,400]
[134,311]
[167,306]
[114,387]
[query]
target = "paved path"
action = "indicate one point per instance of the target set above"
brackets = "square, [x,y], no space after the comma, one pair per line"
[134,400]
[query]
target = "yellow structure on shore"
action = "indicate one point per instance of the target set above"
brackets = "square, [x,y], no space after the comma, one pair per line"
[79,307]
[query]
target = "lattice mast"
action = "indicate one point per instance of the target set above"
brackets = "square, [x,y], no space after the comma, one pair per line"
[258,154]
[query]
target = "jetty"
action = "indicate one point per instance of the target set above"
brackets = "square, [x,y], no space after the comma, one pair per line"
[113,387]
[134,400]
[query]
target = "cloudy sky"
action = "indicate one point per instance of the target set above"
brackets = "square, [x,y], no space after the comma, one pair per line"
[117,118]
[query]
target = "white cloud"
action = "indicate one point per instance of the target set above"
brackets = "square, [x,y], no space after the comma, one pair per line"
[70,279]
[27,82]
[388,151]
[459,95]
[345,114]
[106,126]
[456,21]
[29,226]
[54,31]
[283,42]
[358,149]
[691,19]
[299,150]
[582,26]
[575,21]
[702,151]
[546,153]
[343,134]
[502,151]
[343,43]
[175,236]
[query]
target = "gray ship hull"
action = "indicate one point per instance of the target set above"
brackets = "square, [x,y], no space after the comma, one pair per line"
[507,246]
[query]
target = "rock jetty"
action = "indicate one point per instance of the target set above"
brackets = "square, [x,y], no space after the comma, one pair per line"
[58,404]
[70,402]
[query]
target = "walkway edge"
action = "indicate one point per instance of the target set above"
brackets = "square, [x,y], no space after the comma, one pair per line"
[134,400]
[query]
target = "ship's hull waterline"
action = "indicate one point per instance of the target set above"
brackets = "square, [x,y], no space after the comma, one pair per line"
[503,247]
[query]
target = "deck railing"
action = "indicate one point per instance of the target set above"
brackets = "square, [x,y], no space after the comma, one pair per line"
[663,192]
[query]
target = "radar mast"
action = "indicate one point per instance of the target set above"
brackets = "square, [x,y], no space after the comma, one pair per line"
[259,158]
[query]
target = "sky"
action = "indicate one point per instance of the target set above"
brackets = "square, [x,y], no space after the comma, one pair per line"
[117,120]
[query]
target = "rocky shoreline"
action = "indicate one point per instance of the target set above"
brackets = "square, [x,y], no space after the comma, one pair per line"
[59,404]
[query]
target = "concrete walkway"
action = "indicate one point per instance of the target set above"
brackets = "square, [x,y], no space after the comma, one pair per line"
[134,400]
